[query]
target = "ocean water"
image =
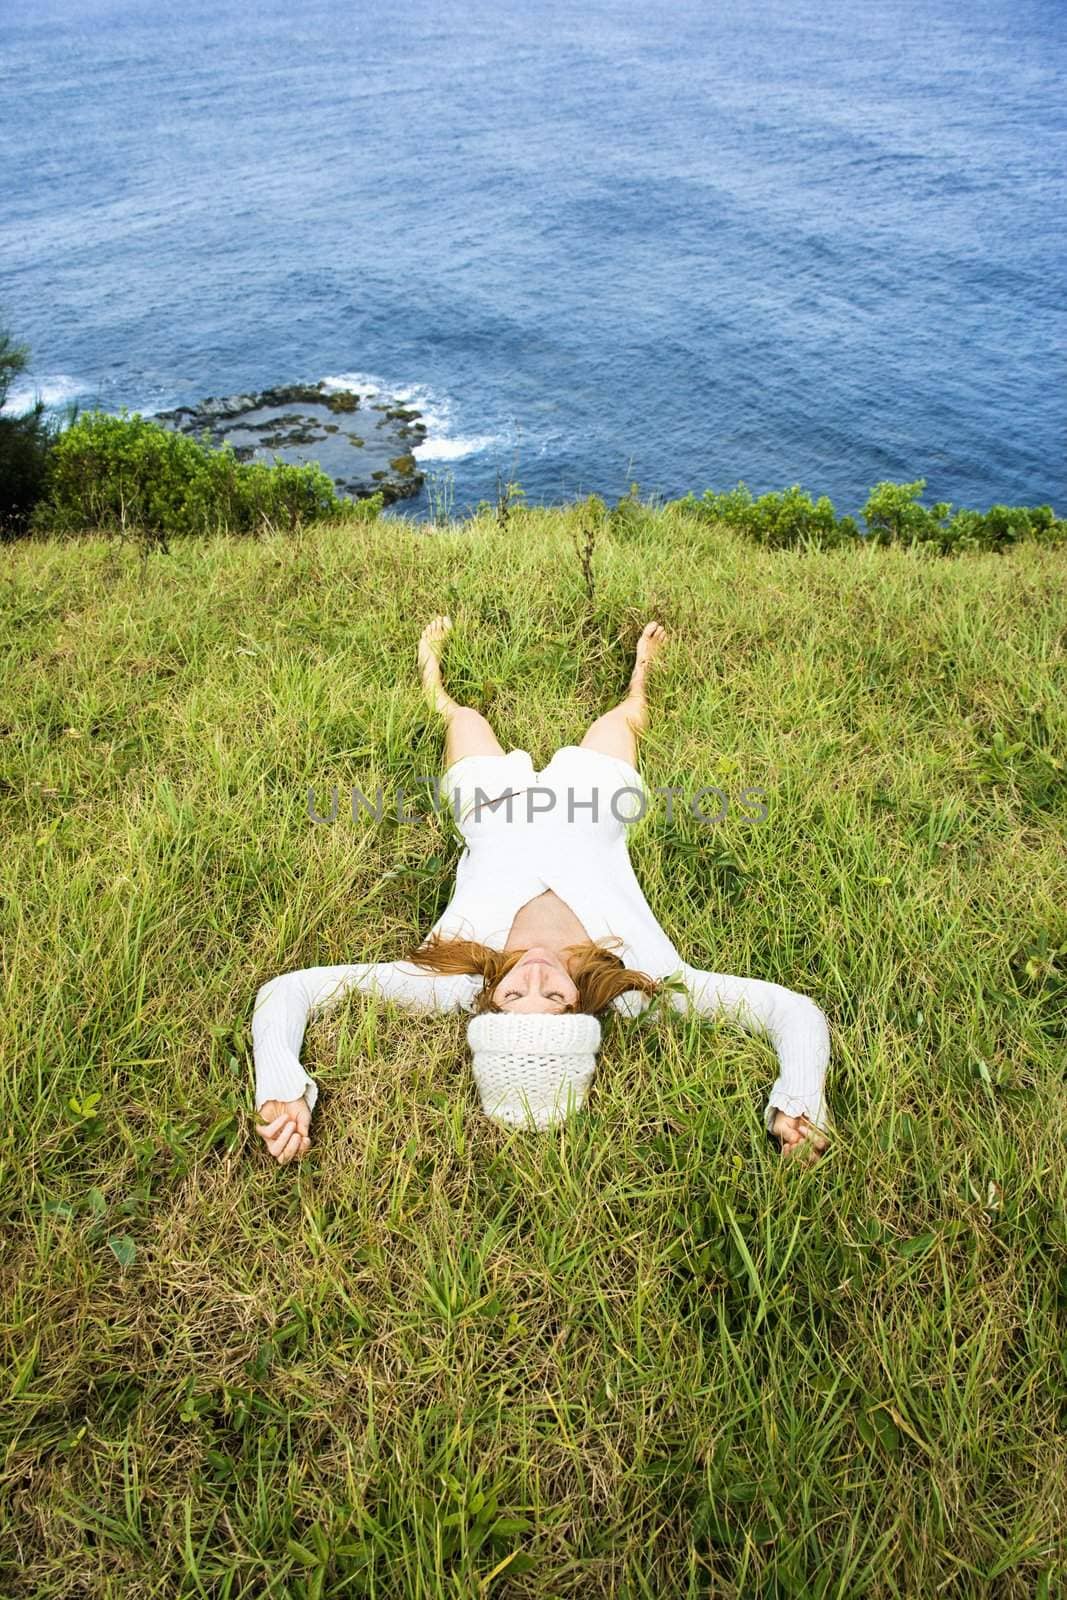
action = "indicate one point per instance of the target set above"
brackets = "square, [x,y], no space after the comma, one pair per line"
[784,241]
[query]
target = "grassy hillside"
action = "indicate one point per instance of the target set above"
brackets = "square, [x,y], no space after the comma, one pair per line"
[643,1356]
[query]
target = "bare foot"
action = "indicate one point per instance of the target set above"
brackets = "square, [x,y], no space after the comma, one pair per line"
[651,642]
[431,647]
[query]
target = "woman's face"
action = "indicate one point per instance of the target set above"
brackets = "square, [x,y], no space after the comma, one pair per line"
[539,982]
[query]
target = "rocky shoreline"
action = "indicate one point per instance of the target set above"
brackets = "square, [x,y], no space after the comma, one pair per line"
[365,443]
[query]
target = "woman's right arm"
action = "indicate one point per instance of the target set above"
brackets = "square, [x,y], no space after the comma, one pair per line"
[284,1005]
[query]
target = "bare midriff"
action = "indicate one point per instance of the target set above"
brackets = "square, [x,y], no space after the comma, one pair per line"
[545,920]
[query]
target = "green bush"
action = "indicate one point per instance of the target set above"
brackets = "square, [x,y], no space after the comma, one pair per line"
[776,520]
[893,515]
[128,473]
[25,443]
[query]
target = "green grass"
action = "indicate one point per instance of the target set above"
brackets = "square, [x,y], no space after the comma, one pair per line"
[642,1356]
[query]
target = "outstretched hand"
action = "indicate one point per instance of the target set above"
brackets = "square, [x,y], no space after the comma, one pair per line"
[798,1137]
[285,1128]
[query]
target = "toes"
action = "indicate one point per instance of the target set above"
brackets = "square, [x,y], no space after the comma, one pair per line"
[431,641]
[652,636]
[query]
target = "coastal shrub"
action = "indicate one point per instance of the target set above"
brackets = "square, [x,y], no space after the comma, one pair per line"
[893,514]
[129,474]
[25,443]
[778,520]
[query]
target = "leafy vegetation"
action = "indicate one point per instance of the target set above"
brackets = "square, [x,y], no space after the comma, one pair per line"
[25,442]
[127,473]
[893,514]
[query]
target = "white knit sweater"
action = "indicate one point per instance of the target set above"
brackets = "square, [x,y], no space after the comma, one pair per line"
[590,870]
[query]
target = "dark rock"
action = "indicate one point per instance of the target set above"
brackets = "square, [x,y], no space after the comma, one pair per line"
[300,422]
[343,401]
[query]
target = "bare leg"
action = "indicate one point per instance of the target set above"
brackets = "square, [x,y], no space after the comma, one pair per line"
[615,733]
[467,732]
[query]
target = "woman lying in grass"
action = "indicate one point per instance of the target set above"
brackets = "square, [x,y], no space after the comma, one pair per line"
[547,929]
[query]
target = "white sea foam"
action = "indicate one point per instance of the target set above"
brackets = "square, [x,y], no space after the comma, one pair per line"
[54,390]
[452,449]
[436,412]
[360,381]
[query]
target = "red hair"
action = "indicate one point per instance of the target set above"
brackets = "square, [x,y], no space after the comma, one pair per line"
[597,974]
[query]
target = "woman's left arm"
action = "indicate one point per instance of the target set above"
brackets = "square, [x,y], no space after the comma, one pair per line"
[793,1023]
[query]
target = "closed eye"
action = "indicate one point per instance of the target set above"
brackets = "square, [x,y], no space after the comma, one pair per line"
[513,994]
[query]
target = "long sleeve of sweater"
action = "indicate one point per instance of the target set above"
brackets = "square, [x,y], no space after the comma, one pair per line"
[285,1004]
[793,1023]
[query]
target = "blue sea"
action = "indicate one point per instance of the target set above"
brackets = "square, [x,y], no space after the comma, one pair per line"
[785,241]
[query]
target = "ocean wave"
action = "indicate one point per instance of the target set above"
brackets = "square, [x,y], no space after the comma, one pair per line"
[452,449]
[436,411]
[55,390]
